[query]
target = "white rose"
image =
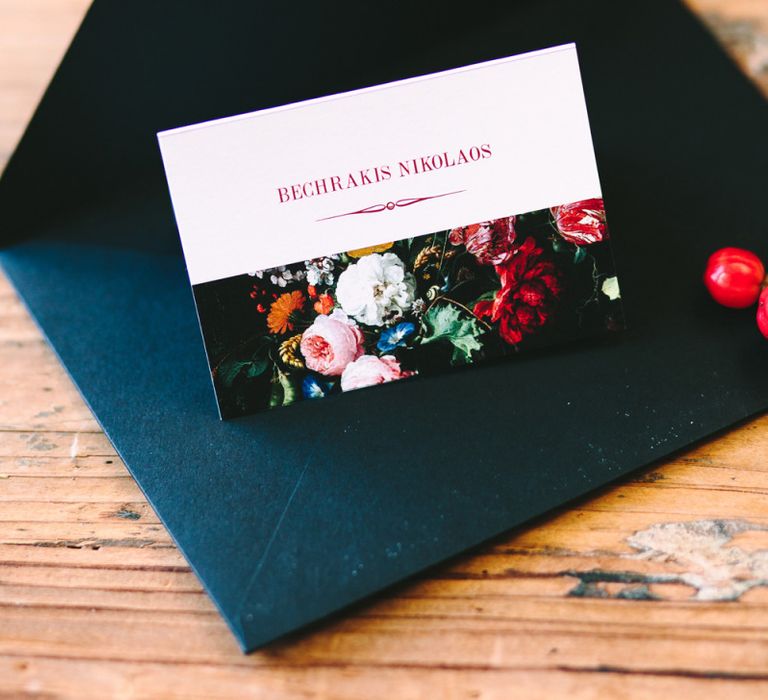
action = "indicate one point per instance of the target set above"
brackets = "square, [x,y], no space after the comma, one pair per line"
[376,289]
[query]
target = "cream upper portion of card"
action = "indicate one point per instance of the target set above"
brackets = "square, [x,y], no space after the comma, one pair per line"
[224,175]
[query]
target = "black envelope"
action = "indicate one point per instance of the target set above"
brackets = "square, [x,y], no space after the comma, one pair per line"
[292,514]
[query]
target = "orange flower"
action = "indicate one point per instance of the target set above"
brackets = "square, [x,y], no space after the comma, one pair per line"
[279,319]
[324,304]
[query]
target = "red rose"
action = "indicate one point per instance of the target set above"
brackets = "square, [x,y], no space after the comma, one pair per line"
[530,287]
[491,242]
[581,222]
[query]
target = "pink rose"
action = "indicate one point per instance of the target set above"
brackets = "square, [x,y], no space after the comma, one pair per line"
[369,370]
[581,222]
[331,343]
[491,242]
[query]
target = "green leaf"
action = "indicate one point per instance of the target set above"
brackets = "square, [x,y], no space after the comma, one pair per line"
[284,390]
[462,349]
[289,389]
[276,396]
[229,371]
[257,367]
[232,369]
[486,296]
[579,255]
[451,324]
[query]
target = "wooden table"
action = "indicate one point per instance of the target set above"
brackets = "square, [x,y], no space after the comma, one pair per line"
[655,587]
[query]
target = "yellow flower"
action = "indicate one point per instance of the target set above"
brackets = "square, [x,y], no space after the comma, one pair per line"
[360,252]
[279,319]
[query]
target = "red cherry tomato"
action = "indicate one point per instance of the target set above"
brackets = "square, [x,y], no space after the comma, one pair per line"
[762,312]
[734,276]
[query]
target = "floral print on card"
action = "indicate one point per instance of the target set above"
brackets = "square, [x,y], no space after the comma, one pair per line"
[417,306]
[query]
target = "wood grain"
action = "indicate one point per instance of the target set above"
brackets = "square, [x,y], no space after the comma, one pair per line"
[655,587]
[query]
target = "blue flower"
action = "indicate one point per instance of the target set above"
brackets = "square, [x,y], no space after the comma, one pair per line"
[314,388]
[395,337]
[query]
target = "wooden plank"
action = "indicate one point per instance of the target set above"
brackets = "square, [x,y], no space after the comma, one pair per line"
[657,587]
[116,678]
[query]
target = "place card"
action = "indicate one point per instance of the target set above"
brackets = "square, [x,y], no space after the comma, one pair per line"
[396,231]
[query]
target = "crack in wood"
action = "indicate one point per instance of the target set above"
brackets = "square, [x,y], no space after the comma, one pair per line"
[127,514]
[97,543]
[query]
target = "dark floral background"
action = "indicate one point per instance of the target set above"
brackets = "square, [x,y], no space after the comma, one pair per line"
[411,307]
